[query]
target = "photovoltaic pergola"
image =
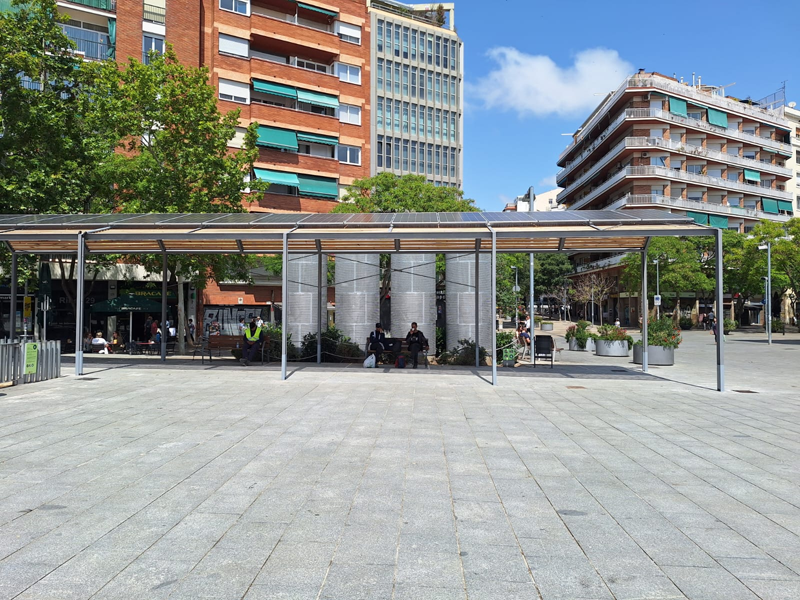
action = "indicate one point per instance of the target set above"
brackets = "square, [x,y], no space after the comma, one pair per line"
[273,233]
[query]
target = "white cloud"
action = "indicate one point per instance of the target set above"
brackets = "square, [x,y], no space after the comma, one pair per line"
[548,183]
[535,85]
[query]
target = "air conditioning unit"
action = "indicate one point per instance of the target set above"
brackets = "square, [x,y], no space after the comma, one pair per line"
[645,154]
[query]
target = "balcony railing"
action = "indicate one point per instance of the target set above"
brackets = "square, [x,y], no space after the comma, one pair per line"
[92,45]
[109,5]
[154,14]
[693,205]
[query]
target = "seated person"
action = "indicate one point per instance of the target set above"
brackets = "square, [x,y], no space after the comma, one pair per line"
[252,343]
[525,337]
[377,341]
[99,339]
[416,341]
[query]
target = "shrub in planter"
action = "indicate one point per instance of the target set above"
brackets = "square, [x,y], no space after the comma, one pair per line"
[463,355]
[729,325]
[504,338]
[686,323]
[612,341]
[778,326]
[547,326]
[578,335]
[662,339]
[537,321]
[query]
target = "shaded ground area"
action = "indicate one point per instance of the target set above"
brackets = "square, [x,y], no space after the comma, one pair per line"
[590,481]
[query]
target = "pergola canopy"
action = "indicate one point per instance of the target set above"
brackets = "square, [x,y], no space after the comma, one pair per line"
[259,233]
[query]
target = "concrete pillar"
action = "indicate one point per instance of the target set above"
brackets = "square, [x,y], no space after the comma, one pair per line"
[460,295]
[303,307]
[357,295]
[414,295]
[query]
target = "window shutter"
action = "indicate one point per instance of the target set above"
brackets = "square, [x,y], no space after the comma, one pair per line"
[234,45]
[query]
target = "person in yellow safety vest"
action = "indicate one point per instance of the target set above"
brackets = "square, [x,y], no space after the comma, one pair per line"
[252,343]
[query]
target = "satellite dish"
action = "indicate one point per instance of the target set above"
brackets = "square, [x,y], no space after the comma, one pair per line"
[792,104]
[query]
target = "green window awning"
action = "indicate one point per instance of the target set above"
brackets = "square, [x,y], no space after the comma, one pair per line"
[719,222]
[276,89]
[785,205]
[277,177]
[324,11]
[717,117]
[677,106]
[768,205]
[751,175]
[783,153]
[699,218]
[314,138]
[317,99]
[320,187]
[272,137]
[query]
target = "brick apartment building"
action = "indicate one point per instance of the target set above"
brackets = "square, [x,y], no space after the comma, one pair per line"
[687,148]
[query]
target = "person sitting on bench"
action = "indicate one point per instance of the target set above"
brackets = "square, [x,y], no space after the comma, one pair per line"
[377,341]
[252,343]
[416,342]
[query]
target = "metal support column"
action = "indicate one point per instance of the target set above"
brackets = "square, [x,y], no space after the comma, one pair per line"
[477,304]
[532,289]
[494,307]
[720,315]
[321,306]
[768,287]
[285,303]
[12,313]
[164,328]
[644,309]
[79,304]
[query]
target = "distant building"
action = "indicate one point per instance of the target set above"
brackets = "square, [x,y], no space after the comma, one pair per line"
[545,201]
[793,115]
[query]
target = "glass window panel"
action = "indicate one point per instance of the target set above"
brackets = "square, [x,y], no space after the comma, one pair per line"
[405,117]
[379,36]
[405,42]
[396,154]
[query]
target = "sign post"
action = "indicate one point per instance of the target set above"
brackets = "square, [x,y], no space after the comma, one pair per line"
[31,358]
[657,300]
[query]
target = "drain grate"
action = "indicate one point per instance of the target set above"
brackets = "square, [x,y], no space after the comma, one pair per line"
[745,392]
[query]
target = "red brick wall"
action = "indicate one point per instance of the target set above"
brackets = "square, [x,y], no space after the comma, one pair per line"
[184,29]
[129,30]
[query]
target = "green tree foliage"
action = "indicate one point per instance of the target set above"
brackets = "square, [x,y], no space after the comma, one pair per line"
[550,271]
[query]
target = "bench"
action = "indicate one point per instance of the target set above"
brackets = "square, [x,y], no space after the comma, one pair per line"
[220,343]
[395,346]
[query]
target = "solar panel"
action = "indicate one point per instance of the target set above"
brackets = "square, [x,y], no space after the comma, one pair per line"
[235,219]
[188,219]
[607,216]
[50,219]
[559,216]
[509,218]
[326,220]
[416,220]
[146,219]
[366,219]
[473,217]
[652,214]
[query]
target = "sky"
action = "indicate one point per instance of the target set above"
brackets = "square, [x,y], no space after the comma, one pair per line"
[535,69]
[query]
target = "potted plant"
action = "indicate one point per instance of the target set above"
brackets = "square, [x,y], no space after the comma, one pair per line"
[547,326]
[579,338]
[686,323]
[662,339]
[612,341]
[537,321]
[729,325]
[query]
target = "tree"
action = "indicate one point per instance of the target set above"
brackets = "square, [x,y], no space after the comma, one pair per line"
[173,156]
[783,238]
[591,287]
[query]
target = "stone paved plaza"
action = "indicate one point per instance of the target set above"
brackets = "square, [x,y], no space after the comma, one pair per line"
[143,481]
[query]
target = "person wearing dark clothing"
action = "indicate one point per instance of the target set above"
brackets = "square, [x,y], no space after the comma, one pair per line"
[377,341]
[416,342]
[148,325]
[252,343]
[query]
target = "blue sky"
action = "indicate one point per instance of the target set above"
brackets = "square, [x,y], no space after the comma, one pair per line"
[533,67]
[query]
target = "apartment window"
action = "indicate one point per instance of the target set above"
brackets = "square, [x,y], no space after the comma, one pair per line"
[388,39]
[405,117]
[379,113]
[430,86]
[438,124]
[414,160]
[430,159]
[388,153]
[349,73]
[658,161]
[421,47]
[438,95]
[405,80]
[716,172]
[422,84]
[231,45]
[445,59]
[350,155]
[422,120]
[397,40]
[234,91]
[397,78]
[396,154]
[696,196]
[438,161]
[421,158]
[413,44]
[319,150]
[238,6]
[445,168]
[379,36]
[379,152]
[445,87]
[405,42]
[452,127]
[430,123]
[151,42]
[430,49]
[405,155]
[379,76]
[697,116]
[452,162]
[453,55]
[751,154]
[397,116]
[389,76]
[413,82]
[696,169]
[438,51]
[310,65]
[453,91]
[413,119]
[348,33]
[733,175]
[350,114]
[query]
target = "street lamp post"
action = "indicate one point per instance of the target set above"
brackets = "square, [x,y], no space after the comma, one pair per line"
[658,288]
[768,292]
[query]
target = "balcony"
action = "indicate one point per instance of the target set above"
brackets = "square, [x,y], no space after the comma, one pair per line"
[281,37]
[287,117]
[261,67]
[109,5]
[639,200]
[91,45]
[154,14]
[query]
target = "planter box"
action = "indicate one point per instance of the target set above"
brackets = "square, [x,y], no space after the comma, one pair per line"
[606,348]
[656,355]
[573,345]
[547,327]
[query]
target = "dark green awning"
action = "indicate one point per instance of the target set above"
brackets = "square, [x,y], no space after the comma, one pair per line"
[314,138]
[783,153]
[276,89]
[699,218]
[717,117]
[318,99]
[272,137]
[768,205]
[324,11]
[751,175]
[677,106]
[785,205]
[276,177]
[321,187]
[718,221]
